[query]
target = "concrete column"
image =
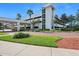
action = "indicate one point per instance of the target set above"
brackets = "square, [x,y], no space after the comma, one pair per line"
[25,26]
[18,26]
[49,13]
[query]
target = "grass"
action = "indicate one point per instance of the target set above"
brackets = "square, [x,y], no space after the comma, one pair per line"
[2,33]
[48,41]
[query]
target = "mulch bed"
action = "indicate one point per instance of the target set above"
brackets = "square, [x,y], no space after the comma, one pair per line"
[69,43]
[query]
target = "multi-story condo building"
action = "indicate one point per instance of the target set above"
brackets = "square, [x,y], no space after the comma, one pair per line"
[43,20]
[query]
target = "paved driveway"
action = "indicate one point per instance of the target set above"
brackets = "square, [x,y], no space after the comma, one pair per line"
[70,40]
[16,49]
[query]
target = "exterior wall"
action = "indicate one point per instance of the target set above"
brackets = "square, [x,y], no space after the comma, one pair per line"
[18,26]
[37,24]
[49,17]
[40,25]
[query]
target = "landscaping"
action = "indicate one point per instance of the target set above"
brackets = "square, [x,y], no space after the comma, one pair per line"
[20,35]
[2,33]
[39,40]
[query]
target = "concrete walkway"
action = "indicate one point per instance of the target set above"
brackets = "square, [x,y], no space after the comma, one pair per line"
[16,49]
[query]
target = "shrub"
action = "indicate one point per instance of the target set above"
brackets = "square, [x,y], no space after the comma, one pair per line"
[46,30]
[55,30]
[76,28]
[43,30]
[20,35]
[37,30]
[22,29]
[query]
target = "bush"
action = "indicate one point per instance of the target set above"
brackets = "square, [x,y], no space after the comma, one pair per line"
[76,28]
[37,30]
[22,29]
[55,30]
[44,30]
[20,35]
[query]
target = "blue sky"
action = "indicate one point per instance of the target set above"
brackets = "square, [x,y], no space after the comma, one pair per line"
[11,9]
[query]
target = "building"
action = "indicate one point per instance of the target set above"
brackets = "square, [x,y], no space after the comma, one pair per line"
[43,20]
[38,21]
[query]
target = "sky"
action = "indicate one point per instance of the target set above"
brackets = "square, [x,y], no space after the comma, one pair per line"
[10,10]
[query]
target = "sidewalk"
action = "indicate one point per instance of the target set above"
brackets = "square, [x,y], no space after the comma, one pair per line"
[16,49]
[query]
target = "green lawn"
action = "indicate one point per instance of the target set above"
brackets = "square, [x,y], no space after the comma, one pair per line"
[2,33]
[34,40]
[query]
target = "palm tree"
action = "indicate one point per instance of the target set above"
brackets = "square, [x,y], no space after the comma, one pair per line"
[18,16]
[30,12]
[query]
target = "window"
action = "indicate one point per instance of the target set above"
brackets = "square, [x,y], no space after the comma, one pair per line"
[43,18]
